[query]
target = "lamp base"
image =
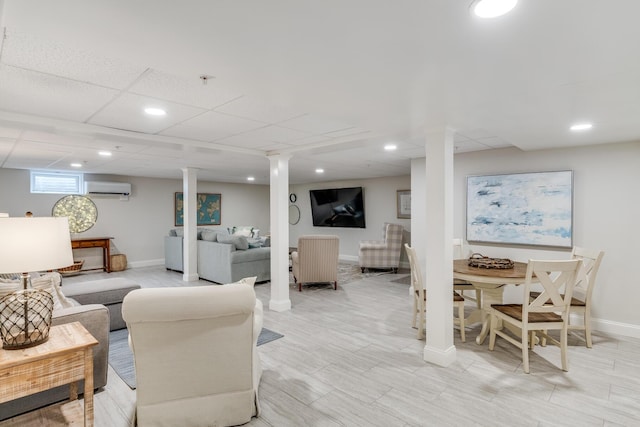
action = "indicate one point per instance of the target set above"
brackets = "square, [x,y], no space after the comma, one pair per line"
[25,318]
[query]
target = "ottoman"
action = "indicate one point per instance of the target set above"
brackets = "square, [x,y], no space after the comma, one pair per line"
[108,292]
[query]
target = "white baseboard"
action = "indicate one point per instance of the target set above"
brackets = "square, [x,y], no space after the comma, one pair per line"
[618,328]
[146,263]
[442,358]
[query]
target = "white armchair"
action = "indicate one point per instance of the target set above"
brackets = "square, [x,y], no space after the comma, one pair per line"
[195,354]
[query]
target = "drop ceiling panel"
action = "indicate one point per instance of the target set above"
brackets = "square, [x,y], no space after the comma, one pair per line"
[184,90]
[127,112]
[277,134]
[212,126]
[245,140]
[50,57]
[314,124]
[347,132]
[49,96]
[251,108]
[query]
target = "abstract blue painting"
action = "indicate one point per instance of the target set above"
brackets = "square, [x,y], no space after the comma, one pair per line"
[523,208]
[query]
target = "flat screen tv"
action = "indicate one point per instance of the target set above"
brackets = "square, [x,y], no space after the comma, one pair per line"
[337,207]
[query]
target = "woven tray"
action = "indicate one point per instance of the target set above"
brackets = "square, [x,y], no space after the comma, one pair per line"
[481,261]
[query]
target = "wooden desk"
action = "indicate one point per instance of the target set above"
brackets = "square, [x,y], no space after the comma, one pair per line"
[96,242]
[491,282]
[65,358]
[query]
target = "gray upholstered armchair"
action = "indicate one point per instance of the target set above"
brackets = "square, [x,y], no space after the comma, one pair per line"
[383,253]
[316,260]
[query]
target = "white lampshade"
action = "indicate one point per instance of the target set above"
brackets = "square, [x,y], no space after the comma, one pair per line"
[34,244]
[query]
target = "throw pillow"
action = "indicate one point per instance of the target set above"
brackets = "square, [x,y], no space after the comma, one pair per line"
[180,232]
[48,282]
[209,235]
[173,232]
[245,231]
[239,242]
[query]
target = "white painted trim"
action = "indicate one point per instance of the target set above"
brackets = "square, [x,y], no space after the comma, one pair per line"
[618,328]
[280,305]
[194,277]
[348,258]
[439,357]
[146,263]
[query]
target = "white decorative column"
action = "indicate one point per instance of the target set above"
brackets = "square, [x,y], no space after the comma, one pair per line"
[190,240]
[418,215]
[438,224]
[279,217]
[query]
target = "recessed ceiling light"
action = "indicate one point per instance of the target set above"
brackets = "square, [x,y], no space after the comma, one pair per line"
[390,147]
[250,178]
[104,153]
[76,165]
[153,111]
[581,126]
[492,8]
[319,170]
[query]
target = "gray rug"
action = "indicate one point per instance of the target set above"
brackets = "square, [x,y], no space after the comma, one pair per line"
[121,357]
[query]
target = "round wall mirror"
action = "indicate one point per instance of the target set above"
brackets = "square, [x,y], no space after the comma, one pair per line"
[294,214]
[80,210]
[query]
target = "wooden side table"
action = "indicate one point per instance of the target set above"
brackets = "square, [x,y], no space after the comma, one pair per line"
[96,242]
[65,358]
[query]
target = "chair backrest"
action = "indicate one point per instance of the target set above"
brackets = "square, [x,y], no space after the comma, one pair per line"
[458,249]
[557,279]
[586,279]
[318,258]
[416,273]
[393,237]
[193,345]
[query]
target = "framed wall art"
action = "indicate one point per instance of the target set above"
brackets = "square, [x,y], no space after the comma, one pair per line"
[208,204]
[522,209]
[403,203]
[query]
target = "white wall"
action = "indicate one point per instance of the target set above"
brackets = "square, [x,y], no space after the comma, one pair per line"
[606,213]
[138,225]
[379,204]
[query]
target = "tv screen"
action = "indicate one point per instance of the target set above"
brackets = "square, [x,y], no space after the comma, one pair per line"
[337,207]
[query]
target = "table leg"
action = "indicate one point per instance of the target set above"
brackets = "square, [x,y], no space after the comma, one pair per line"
[489,296]
[88,387]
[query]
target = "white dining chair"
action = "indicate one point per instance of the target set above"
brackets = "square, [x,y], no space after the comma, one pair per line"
[549,311]
[420,298]
[581,301]
[460,285]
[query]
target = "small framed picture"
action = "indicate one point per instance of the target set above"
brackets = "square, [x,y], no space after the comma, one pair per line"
[403,203]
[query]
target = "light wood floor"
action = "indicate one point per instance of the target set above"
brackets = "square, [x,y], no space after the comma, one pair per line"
[350,358]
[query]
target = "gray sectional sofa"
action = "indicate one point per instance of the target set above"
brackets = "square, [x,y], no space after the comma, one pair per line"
[222,257]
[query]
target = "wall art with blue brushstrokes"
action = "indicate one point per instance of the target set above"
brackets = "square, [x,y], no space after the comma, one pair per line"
[523,209]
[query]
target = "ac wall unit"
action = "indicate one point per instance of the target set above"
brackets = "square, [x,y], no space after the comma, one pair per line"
[113,188]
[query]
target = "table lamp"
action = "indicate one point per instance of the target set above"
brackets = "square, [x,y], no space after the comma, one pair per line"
[30,244]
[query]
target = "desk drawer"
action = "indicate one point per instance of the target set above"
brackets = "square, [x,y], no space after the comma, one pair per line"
[87,244]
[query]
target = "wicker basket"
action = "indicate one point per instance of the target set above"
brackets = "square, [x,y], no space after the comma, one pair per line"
[72,269]
[118,262]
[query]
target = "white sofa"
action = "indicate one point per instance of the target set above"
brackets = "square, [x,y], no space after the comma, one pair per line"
[195,351]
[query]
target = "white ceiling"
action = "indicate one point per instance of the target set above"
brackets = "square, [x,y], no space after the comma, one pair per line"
[329,82]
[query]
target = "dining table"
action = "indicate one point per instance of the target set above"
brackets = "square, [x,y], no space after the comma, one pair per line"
[491,282]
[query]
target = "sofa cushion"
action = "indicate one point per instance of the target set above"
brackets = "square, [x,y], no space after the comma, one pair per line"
[238,242]
[257,254]
[246,231]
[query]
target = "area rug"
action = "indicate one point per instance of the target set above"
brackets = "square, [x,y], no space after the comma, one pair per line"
[121,357]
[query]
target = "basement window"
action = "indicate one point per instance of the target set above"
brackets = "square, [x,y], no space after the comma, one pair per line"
[56,182]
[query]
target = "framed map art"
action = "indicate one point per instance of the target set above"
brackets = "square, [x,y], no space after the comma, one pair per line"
[208,205]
